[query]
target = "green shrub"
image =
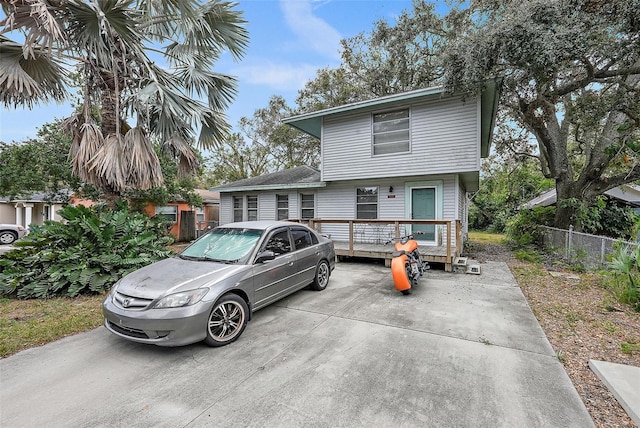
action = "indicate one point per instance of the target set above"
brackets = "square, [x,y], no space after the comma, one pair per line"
[527,255]
[625,265]
[522,229]
[86,253]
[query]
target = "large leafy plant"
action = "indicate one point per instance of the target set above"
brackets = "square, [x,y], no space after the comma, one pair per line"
[86,253]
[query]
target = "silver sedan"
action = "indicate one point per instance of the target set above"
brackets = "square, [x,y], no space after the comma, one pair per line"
[209,290]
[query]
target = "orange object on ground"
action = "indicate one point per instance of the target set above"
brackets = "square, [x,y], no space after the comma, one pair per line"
[399,273]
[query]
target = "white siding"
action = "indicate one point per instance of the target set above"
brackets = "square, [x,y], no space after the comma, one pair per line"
[338,201]
[226,209]
[266,206]
[444,139]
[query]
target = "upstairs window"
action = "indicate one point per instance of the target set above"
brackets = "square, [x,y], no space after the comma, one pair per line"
[367,202]
[391,132]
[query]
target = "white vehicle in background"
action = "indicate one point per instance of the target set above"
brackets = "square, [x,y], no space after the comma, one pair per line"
[11,232]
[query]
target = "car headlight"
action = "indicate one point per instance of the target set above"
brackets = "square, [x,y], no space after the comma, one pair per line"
[112,292]
[184,298]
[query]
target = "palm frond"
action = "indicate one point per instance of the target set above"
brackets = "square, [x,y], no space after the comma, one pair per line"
[226,27]
[41,23]
[88,145]
[215,128]
[28,81]
[187,159]
[144,170]
[110,163]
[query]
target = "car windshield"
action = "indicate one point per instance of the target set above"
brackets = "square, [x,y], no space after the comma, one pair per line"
[223,244]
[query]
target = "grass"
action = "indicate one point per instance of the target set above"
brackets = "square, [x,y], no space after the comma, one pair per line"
[486,237]
[25,324]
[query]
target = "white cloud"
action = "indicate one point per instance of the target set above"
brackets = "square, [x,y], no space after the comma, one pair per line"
[313,32]
[280,76]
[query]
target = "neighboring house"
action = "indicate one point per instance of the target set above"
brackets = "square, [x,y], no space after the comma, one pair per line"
[205,216]
[625,194]
[413,155]
[33,209]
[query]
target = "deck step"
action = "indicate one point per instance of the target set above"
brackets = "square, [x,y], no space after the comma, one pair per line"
[473,269]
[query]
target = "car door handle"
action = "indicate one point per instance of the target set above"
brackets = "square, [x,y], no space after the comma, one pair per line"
[290,263]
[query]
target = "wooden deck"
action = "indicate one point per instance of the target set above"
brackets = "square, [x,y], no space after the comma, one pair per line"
[432,254]
[367,238]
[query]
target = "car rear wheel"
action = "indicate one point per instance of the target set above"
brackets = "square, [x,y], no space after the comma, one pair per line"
[227,320]
[7,237]
[321,279]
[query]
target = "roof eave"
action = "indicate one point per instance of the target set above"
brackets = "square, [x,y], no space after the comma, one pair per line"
[489,107]
[271,187]
[311,123]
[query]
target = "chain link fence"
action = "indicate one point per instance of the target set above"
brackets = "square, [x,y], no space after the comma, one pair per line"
[591,251]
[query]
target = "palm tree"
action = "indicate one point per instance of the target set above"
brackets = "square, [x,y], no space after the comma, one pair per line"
[148,61]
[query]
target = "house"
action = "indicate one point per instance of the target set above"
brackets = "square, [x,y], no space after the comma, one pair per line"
[392,165]
[205,218]
[625,194]
[38,207]
[34,208]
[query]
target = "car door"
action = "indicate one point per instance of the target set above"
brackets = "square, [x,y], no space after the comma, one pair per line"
[307,254]
[272,278]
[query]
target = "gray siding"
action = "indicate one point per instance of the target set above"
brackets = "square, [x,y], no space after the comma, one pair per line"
[338,201]
[444,139]
[266,206]
[226,209]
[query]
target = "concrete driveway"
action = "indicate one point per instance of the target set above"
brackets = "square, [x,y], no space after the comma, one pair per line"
[462,351]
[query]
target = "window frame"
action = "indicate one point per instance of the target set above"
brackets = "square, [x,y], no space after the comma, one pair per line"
[252,212]
[237,209]
[168,215]
[274,233]
[303,208]
[367,203]
[307,233]
[280,210]
[382,133]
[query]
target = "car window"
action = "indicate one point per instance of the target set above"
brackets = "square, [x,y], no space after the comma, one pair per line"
[224,244]
[301,238]
[279,243]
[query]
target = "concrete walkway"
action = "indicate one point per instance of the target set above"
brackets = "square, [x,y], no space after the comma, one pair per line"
[462,351]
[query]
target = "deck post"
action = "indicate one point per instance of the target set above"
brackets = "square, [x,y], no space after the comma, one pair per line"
[449,263]
[351,238]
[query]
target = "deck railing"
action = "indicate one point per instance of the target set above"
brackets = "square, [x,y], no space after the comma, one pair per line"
[445,239]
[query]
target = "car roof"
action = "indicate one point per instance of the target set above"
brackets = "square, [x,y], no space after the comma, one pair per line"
[260,224]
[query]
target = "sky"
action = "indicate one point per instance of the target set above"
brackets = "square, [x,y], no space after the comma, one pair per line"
[289,41]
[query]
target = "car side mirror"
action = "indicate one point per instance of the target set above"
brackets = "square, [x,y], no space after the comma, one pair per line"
[265,256]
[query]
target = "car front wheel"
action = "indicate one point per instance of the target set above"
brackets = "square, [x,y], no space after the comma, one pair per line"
[7,237]
[321,279]
[227,320]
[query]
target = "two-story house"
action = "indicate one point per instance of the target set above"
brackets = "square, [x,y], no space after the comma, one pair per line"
[408,156]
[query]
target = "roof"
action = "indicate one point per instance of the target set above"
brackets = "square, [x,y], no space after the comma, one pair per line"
[61,196]
[628,193]
[208,196]
[299,177]
[311,123]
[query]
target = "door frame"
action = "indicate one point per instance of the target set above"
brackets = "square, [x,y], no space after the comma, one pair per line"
[432,184]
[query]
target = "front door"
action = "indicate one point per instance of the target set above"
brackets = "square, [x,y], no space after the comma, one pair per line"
[423,207]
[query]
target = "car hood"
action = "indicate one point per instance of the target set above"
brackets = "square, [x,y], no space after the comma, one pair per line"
[173,275]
